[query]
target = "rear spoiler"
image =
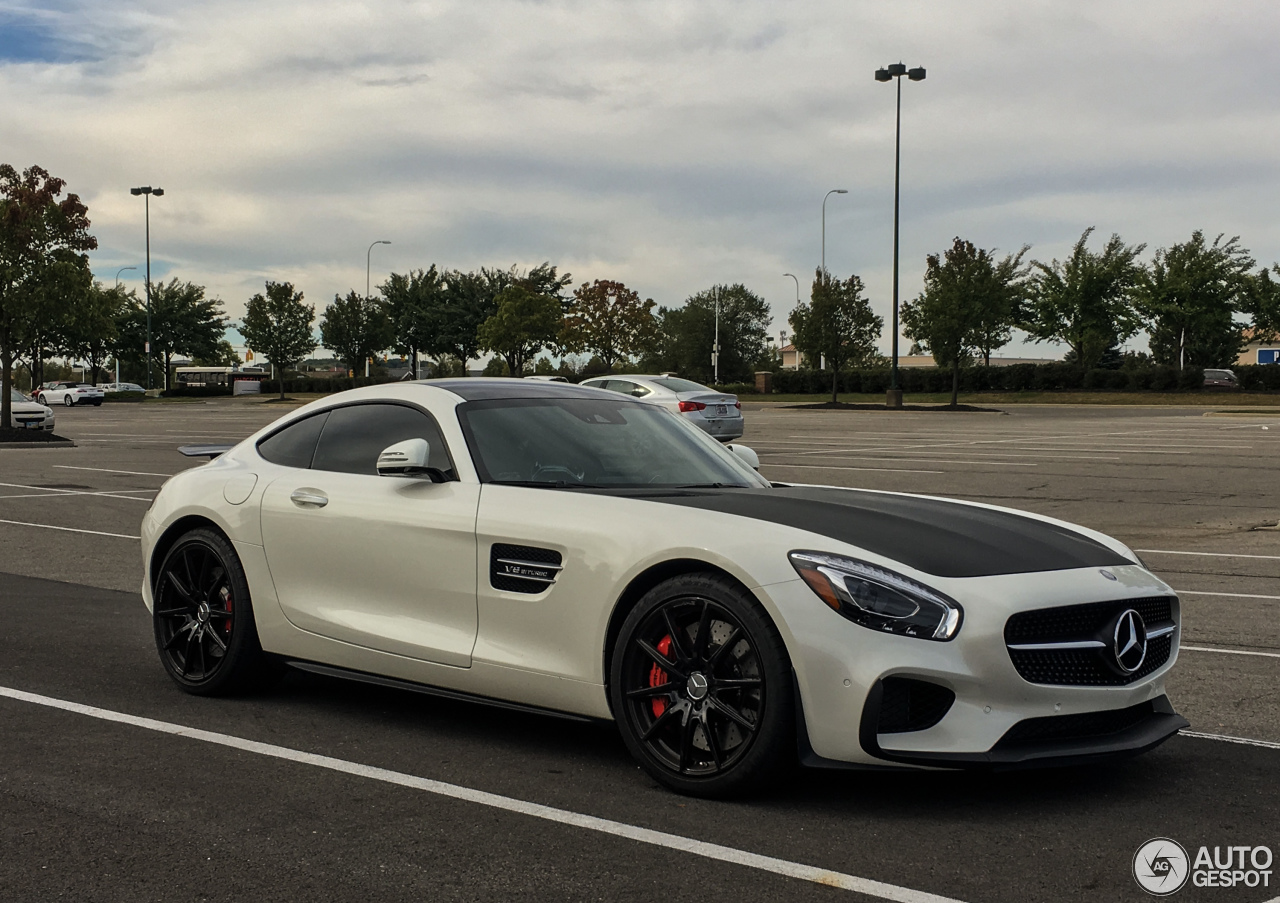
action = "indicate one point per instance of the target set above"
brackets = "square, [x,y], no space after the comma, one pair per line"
[205,451]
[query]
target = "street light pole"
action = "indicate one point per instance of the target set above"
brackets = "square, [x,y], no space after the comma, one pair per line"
[715,358]
[824,226]
[893,398]
[793,276]
[368,257]
[367,262]
[121,270]
[147,191]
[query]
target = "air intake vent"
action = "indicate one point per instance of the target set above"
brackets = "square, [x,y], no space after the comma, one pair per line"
[523,569]
[911,705]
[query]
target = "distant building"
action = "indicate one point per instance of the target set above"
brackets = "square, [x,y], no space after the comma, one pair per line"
[1259,352]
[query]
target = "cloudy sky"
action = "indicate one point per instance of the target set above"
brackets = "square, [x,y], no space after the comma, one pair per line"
[669,145]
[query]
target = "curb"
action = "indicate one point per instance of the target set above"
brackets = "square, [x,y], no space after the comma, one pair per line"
[66,444]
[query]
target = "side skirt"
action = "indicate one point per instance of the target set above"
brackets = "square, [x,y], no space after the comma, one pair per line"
[395,684]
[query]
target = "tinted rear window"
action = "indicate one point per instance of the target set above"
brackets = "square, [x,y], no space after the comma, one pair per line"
[680,385]
[295,445]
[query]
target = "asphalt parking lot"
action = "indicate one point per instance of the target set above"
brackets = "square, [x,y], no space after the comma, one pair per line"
[97,803]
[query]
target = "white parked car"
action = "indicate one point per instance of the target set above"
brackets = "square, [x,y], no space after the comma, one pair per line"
[563,549]
[120,387]
[29,415]
[70,394]
[716,413]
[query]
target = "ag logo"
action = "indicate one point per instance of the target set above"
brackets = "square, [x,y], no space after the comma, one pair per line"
[1161,866]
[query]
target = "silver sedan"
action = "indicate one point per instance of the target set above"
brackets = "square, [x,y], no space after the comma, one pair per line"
[717,413]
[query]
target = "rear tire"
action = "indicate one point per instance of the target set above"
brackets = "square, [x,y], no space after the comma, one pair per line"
[203,619]
[68,401]
[701,688]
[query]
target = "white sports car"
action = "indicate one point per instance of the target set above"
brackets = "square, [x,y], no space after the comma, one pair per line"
[545,546]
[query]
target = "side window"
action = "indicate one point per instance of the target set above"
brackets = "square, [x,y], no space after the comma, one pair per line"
[354,436]
[620,385]
[294,445]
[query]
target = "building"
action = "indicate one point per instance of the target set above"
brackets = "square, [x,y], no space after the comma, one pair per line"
[1259,352]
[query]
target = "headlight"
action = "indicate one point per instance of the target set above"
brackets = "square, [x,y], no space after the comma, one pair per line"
[877,598]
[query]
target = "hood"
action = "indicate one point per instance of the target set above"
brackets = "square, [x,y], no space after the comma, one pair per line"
[939,537]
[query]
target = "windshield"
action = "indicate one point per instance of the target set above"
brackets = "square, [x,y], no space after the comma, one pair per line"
[679,385]
[17,397]
[596,443]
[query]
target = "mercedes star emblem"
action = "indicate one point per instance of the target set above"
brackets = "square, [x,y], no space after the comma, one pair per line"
[1130,641]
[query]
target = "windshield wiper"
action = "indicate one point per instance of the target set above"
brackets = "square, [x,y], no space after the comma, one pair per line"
[711,486]
[548,484]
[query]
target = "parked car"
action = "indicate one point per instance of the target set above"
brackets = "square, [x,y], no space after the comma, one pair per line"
[28,414]
[120,387]
[1220,379]
[717,413]
[542,378]
[70,394]
[549,547]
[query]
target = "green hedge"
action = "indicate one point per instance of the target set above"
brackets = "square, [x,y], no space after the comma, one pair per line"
[123,396]
[336,384]
[1014,378]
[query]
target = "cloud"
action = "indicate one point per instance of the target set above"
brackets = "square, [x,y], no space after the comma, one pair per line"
[667,144]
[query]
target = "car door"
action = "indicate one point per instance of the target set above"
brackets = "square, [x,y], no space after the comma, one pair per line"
[388,563]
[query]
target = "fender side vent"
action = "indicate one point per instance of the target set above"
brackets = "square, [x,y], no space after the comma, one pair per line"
[523,569]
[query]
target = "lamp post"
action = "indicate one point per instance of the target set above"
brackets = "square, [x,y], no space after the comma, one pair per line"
[824,224]
[793,276]
[715,354]
[894,72]
[147,191]
[121,270]
[368,257]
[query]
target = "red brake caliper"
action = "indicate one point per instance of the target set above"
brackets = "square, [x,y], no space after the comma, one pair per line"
[658,677]
[227,603]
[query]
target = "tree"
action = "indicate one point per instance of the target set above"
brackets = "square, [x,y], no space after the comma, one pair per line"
[1085,302]
[356,328]
[967,305]
[609,320]
[686,335]
[223,355]
[836,324]
[91,329]
[524,323]
[42,243]
[278,324]
[1190,297]
[415,303]
[183,321]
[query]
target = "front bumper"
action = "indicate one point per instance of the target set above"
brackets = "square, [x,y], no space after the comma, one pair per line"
[992,716]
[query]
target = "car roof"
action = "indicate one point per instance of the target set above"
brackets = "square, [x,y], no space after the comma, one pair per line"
[479,388]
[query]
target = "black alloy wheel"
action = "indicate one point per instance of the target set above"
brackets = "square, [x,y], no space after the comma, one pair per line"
[701,687]
[203,618]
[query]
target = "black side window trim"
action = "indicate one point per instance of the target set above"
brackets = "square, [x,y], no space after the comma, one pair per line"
[453,467]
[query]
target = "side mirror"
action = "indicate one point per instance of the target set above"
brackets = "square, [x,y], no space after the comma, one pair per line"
[746,455]
[408,458]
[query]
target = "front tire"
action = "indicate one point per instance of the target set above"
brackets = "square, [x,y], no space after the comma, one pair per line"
[204,627]
[701,688]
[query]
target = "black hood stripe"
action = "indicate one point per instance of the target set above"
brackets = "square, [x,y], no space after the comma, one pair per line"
[943,538]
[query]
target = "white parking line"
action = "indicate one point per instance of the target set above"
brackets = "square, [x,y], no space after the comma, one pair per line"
[18,523]
[1223,738]
[1230,651]
[136,473]
[662,839]
[1204,554]
[110,494]
[1196,592]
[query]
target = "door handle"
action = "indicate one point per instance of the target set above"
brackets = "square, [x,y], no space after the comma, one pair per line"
[309,498]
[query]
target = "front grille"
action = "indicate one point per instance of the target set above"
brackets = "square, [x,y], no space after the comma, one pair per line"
[1072,623]
[908,705]
[1085,726]
[541,579]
